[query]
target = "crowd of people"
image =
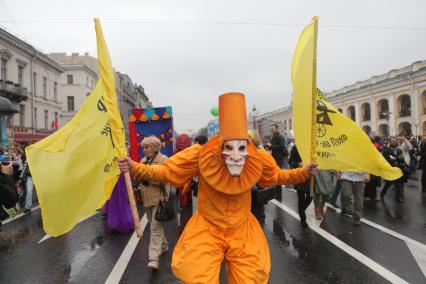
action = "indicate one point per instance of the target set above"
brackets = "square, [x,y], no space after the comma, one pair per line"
[407,153]
[16,184]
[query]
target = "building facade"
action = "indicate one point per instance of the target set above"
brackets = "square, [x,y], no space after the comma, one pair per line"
[80,76]
[389,104]
[77,81]
[30,80]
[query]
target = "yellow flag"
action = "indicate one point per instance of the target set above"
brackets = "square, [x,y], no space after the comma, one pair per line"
[303,77]
[75,170]
[340,143]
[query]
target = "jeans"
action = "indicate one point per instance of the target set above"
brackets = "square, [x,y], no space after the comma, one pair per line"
[29,185]
[397,184]
[336,192]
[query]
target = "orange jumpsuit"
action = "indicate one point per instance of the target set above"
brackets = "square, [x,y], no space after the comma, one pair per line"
[223,226]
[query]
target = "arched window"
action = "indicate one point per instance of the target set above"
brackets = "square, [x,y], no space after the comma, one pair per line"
[365,110]
[404,128]
[351,112]
[404,105]
[383,109]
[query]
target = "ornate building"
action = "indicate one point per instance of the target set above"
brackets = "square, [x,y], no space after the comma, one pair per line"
[30,80]
[390,104]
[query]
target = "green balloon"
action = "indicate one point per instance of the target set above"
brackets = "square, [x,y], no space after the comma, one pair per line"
[214,111]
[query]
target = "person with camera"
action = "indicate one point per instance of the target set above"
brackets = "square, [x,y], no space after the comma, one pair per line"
[152,193]
[394,155]
[8,193]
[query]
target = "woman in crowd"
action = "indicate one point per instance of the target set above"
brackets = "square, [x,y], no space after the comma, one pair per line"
[325,181]
[152,193]
[259,196]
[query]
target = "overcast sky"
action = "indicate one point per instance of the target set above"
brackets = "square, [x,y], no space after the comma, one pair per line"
[185,53]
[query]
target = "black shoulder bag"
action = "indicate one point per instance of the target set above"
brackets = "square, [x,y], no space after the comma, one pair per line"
[165,210]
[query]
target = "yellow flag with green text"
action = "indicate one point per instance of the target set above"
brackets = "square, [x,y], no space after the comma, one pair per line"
[75,170]
[340,143]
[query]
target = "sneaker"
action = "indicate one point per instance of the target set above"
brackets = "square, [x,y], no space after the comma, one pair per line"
[27,211]
[357,222]
[304,224]
[342,214]
[153,264]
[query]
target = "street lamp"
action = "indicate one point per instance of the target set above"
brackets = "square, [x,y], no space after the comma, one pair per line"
[254,109]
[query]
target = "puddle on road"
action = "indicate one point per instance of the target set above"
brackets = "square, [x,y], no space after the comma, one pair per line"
[286,239]
[82,257]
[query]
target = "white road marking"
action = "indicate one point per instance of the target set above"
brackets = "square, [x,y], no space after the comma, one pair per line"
[19,216]
[47,236]
[379,227]
[376,267]
[119,268]
[388,231]
[419,256]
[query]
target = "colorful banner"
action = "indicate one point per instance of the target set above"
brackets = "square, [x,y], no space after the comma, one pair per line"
[151,122]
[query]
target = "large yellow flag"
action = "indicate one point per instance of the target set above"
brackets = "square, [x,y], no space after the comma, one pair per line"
[339,143]
[74,169]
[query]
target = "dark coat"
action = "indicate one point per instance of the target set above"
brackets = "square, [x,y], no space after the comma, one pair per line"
[294,161]
[279,151]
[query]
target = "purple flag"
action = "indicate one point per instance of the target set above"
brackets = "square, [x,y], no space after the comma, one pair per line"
[119,213]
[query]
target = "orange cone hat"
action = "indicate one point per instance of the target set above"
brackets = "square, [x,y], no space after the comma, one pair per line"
[232,116]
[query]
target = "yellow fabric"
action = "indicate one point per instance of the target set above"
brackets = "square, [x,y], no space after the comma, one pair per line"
[303,80]
[340,143]
[232,116]
[74,169]
[202,247]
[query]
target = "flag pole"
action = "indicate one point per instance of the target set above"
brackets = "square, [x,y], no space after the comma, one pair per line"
[132,202]
[314,107]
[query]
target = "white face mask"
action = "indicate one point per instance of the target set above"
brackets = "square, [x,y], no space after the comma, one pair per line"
[234,154]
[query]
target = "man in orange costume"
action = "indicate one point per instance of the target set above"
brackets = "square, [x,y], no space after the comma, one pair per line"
[228,166]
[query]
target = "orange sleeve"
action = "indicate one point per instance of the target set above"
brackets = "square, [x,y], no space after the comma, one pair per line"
[176,170]
[272,175]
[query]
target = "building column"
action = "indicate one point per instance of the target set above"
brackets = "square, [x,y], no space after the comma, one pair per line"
[357,113]
[393,111]
[414,110]
[373,113]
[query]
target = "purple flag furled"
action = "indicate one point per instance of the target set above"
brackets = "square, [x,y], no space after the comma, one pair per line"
[119,213]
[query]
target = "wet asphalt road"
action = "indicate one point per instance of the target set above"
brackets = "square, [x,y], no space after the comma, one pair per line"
[89,253]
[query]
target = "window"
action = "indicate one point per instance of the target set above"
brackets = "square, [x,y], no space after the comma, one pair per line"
[70,103]
[46,119]
[35,118]
[70,79]
[20,75]
[87,81]
[45,88]
[55,91]
[22,115]
[35,84]
[3,72]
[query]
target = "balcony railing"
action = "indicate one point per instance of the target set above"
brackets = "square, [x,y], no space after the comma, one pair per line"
[13,92]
